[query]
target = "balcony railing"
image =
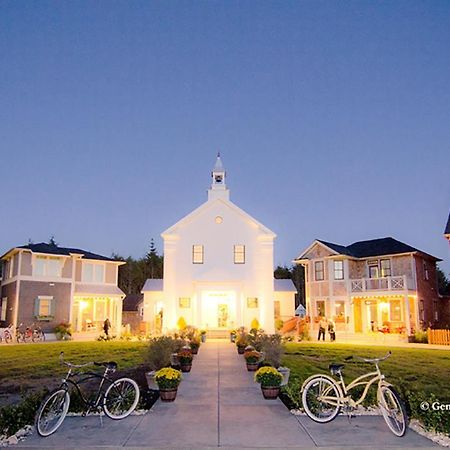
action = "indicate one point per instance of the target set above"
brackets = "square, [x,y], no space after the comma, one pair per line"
[398,283]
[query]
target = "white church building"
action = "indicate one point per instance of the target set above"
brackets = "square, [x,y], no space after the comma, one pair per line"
[218,270]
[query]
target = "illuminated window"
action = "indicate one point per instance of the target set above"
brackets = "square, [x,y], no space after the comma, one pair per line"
[252,302]
[320,308]
[339,309]
[338,270]
[239,254]
[184,302]
[318,271]
[197,254]
[385,267]
[3,310]
[396,310]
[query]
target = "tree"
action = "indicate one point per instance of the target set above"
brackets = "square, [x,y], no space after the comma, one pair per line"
[297,275]
[443,282]
[52,241]
[282,272]
[154,262]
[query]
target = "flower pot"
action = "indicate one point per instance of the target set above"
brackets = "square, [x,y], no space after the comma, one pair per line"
[232,337]
[194,350]
[240,349]
[186,367]
[252,367]
[168,395]
[203,338]
[285,371]
[174,361]
[150,377]
[270,392]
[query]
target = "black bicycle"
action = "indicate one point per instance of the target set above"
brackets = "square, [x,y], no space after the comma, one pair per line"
[116,398]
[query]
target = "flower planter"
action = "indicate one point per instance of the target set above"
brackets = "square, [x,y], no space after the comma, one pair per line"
[240,349]
[186,367]
[194,350]
[232,337]
[285,371]
[203,338]
[168,395]
[252,367]
[270,392]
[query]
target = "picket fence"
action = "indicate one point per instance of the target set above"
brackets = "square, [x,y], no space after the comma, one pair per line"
[441,337]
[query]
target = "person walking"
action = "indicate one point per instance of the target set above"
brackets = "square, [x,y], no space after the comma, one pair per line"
[332,330]
[322,328]
[106,326]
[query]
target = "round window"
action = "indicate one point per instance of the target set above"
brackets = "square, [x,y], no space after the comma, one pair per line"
[219,219]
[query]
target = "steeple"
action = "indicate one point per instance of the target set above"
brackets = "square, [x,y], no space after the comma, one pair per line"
[218,187]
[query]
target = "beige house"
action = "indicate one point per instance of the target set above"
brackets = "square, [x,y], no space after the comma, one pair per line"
[46,284]
[369,286]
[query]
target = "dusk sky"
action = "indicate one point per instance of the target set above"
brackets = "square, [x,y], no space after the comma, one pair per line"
[332,118]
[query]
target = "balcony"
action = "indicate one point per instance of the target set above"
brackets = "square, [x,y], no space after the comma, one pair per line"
[398,283]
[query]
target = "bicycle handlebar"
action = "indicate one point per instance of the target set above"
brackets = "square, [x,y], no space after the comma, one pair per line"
[76,366]
[371,360]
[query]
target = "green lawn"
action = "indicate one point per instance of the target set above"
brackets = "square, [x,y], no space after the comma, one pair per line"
[34,366]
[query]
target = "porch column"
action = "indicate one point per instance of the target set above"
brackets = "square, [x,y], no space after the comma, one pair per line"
[80,314]
[407,316]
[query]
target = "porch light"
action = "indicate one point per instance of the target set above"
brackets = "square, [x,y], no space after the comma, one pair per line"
[384,305]
[83,304]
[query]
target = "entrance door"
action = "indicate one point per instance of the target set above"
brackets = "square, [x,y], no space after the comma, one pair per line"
[222,315]
[357,315]
[372,316]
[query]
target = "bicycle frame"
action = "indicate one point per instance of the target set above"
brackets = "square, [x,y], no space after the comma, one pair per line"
[85,377]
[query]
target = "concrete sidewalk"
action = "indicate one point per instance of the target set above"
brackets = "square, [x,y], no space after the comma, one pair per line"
[219,405]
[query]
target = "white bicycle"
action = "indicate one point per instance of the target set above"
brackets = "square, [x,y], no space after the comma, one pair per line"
[323,396]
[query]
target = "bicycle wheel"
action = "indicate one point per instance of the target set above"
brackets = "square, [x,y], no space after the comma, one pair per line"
[321,399]
[52,412]
[121,398]
[393,410]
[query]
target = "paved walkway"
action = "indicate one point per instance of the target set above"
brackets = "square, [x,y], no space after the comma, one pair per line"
[219,405]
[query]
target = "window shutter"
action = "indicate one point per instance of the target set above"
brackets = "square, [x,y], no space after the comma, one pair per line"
[52,307]
[36,307]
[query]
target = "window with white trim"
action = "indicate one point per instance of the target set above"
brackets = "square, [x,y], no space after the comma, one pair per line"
[4,308]
[197,254]
[338,270]
[385,265]
[47,266]
[239,254]
[93,273]
[318,271]
[44,307]
[374,270]
[426,275]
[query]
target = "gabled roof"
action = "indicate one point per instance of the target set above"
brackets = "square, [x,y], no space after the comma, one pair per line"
[153,284]
[50,249]
[131,302]
[447,228]
[203,207]
[373,247]
[284,285]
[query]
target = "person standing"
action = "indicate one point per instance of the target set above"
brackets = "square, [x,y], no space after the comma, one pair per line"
[322,328]
[106,326]
[332,330]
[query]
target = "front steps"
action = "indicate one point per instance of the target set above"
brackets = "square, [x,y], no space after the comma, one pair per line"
[218,334]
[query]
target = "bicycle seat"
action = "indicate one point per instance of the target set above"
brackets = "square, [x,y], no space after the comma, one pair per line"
[335,369]
[110,365]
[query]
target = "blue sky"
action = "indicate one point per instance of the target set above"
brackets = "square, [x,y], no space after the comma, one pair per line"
[332,119]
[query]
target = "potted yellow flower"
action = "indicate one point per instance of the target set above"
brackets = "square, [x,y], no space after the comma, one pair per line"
[270,380]
[185,358]
[168,380]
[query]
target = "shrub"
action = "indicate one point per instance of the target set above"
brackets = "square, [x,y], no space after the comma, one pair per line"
[168,378]
[268,376]
[159,351]
[421,337]
[63,331]
[279,324]
[272,348]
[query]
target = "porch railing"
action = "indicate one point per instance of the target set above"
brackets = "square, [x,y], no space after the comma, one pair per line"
[398,283]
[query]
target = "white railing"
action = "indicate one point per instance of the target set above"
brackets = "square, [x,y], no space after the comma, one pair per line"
[398,283]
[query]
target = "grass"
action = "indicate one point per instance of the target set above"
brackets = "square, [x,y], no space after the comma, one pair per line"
[420,370]
[30,366]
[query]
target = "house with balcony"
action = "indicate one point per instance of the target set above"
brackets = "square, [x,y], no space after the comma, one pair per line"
[370,286]
[46,284]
